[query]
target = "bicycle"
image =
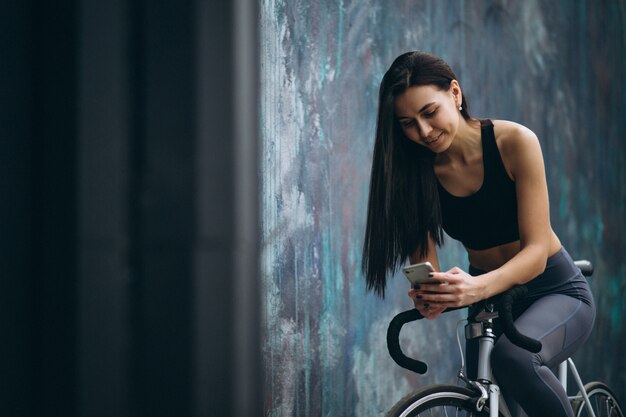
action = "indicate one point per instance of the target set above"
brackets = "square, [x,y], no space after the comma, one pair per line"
[481,397]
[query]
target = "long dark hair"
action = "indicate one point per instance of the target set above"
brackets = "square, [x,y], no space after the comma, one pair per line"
[403,208]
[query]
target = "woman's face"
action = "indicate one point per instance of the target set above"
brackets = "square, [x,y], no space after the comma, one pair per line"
[430,116]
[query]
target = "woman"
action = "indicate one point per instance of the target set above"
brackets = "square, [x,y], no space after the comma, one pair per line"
[435,168]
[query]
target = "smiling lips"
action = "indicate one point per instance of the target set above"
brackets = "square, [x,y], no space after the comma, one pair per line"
[430,140]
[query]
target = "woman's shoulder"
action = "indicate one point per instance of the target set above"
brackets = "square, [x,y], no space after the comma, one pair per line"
[515,142]
[512,136]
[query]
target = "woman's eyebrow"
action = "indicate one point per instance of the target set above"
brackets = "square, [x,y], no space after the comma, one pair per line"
[424,107]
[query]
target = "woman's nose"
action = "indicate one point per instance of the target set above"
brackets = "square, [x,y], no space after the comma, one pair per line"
[425,129]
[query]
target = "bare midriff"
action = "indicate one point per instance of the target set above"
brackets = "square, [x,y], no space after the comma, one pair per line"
[493,258]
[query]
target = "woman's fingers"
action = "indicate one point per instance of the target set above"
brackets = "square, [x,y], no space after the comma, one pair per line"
[455,288]
[446,277]
[448,282]
[429,311]
[429,306]
[444,287]
[440,299]
[455,270]
[415,296]
[433,311]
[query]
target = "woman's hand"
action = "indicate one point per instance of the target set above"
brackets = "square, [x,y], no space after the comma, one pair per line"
[428,311]
[456,288]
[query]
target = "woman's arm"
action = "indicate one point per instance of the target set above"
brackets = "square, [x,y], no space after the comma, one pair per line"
[431,255]
[428,311]
[523,158]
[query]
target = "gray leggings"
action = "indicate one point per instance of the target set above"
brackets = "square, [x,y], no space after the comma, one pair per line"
[558,311]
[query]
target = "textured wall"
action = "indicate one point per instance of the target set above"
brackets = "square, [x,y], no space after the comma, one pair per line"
[556,67]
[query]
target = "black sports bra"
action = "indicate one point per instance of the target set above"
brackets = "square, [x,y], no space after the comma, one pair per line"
[487,218]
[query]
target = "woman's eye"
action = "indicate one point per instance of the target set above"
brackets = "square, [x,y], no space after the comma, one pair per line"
[430,114]
[408,124]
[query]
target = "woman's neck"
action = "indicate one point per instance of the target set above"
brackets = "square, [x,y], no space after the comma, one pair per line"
[465,144]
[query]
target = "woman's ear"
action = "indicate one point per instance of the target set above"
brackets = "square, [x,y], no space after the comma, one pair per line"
[455,89]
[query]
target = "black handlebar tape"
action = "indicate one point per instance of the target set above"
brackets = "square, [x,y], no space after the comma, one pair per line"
[393,341]
[506,319]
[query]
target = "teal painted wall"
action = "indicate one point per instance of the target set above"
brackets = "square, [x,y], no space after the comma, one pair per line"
[554,66]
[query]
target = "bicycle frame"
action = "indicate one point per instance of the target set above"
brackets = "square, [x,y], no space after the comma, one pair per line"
[485,388]
[487,385]
[579,383]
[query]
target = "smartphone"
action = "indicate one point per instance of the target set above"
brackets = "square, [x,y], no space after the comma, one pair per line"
[418,273]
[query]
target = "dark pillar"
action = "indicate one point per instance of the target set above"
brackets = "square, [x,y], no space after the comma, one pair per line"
[228,361]
[106,122]
[38,230]
[130,268]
